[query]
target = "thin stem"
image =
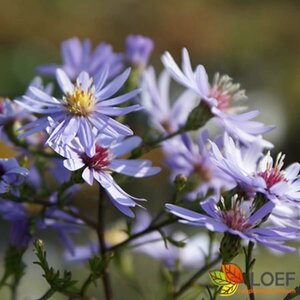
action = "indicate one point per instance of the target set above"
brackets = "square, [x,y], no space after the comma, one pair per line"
[209,293]
[248,266]
[102,246]
[48,294]
[85,285]
[14,287]
[141,233]
[146,147]
[196,276]
[65,209]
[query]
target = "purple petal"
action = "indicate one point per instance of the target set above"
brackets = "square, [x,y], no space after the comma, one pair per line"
[87,175]
[262,212]
[185,213]
[64,82]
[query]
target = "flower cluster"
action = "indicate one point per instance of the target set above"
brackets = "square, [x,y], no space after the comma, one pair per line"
[80,122]
[76,131]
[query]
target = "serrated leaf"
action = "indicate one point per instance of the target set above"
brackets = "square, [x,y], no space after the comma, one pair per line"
[233,273]
[218,278]
[228,290]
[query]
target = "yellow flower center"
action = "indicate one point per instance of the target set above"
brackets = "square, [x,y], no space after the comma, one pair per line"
[81,102]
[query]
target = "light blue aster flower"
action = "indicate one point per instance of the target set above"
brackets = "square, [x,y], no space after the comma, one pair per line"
[240,220]
[194,161]
[102,162]
[137,50]
[220,97]
[85,106]
[255,172]
[165,116]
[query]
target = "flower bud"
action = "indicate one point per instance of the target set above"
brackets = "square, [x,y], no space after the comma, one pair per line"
[230,247]
[198,117]
[180,182]
[138,49]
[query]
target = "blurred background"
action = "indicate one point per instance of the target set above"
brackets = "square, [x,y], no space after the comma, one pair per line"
[255,42]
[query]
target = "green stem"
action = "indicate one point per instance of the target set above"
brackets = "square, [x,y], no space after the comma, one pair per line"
[249,262]
[196,276]
[65,209]
[102,246]
[147,147]
[85,285]
[141,233]
[48,294]
[13,288]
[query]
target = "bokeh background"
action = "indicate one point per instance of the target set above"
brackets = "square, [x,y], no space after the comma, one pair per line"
[255,42]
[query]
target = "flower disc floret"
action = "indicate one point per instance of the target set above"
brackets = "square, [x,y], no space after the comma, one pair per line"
[235,218]
[100,161]
[225,92]
[273,174]
[80,102]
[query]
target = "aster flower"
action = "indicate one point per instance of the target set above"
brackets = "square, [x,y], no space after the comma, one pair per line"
[255,172]
[220,97]
[11,174]
[28,219]
[102,162]
[240,220]
[137,50]
[194,161]
[86,106]
[166,118]
[78,56]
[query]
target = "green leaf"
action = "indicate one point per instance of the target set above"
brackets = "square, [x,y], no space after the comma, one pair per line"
[62,283]
[218,278]
[97,265]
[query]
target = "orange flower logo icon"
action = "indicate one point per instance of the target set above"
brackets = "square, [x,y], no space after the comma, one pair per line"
[228,279]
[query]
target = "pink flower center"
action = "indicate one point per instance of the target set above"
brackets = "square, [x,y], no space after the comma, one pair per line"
[235,219]
[225,92]
[223,98]
[99,161]
[273,174]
